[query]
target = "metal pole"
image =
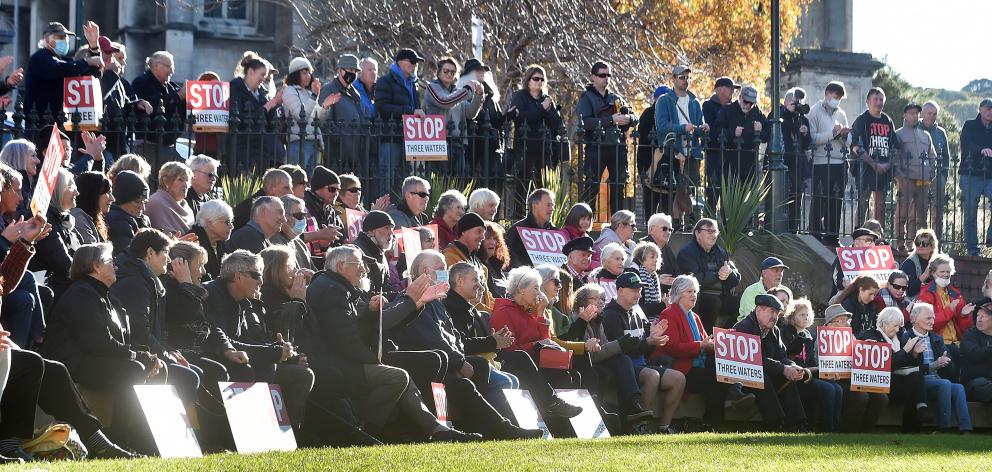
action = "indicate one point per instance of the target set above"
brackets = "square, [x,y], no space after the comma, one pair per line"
[776,166]
[80,19]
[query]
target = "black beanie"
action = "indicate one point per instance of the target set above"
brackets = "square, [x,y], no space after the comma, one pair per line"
[469,221]
[129,187]
[323,177]
[376,219]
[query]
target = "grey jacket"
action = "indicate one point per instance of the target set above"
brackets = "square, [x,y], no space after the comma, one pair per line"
[345,122]
[918,159]
[457,105]
[85,227]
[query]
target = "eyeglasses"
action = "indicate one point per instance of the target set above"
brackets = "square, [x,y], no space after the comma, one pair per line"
[253,274]
[632,225]
[710,230]
[210,175]
[666,229]
[603,76]
[448,71]
[898,287]
[537,79]
[298,215]
[353,190]
[421,194]
[924,244]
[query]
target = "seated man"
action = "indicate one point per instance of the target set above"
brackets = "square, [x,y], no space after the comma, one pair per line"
[471,231]
[338,346]
[779,402]
[267,218]
[976,356]
[275,183]
[579,254]
[433,329]
[772,273]
[127,212]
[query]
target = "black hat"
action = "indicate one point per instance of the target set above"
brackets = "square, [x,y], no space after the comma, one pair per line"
[129,187]
[474,65]
[322,177]
[92,184]
[770,301]
[57,28]
[864,232]
[986,103]
[469,221]
[726,82]
[772,263]
[630,280]
[584,243]
[376,219]
[910,106]
[408,54]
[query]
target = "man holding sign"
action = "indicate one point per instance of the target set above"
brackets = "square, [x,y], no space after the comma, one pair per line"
[540,206]
[861,238]
[779,402]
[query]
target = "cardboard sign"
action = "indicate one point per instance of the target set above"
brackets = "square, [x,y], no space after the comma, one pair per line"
[440,403]
[872,367]
[738,358]
[425,138]
[354,223]
[167,419]
[210,104]
[258,417]
[525,410]
[54,156]
[82,95]
[588,424]
[544,245]
[874,261]
[410,238]
[834,349]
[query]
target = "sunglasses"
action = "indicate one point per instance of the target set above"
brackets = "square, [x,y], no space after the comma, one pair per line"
[421,194]
[666,229]
[210,175]
[537,79]
[898,287]
[253,274]
[298,215]
[333,189]
[353,190]
[748,103]
[924,244]
[557,282]
[603,76]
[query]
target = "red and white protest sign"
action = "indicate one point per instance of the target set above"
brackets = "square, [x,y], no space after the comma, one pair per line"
[874,261]
[834,349]
[440,403]
[872,367]
[544,245]
[425,138]
[738,358]
[210,104]
[258,417]
[354,223]
[82,95]
[54,157]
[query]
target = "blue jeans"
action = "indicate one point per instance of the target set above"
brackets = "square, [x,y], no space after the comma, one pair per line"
[391,157]
[308,159]
[972,188]
[949,397]
[22,313]
[830,397]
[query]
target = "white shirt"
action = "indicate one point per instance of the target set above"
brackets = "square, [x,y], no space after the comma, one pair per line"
[683,104]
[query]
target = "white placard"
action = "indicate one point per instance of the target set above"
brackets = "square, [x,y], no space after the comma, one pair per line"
[171,429]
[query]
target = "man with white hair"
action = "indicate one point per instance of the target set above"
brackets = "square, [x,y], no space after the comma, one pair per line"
[275,183]
[484,202]
[204,180]
[660,229]
[157,88]
[267,218]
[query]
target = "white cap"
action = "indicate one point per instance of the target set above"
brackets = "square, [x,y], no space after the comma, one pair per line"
[299,63]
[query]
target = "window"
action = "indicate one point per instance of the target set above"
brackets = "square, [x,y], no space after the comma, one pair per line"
[233,17]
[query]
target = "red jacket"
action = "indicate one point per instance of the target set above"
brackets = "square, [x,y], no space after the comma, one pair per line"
[526,328]
[445,235]
[681,346]
[944,314]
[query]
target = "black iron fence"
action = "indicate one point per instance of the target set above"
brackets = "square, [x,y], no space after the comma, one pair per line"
[828,190]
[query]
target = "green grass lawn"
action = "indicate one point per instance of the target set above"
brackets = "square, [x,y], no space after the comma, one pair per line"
[730,452]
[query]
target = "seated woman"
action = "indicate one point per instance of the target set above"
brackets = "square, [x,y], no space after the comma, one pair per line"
[859,299]
[495,254]
[586,376]
[614,258]
[290,234]
[350,197]
[907,381]
[55,250]
[89,333]
[894,294]
[917,264]
[952,312]
[214,224]
[823,399]
[620,231]
[482,201]
[22,156]
[284,291]
[92,204]
[935,364]
[133,163]
[451,206]
[167,208]
[578,221]
[647,259]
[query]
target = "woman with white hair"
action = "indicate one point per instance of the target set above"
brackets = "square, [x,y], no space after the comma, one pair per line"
[484,202]
[450,208]
[22,156]
[621,230]
[614,259]
[167,209]
[214,224]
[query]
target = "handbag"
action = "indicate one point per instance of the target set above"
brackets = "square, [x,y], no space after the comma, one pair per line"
[57,442]
[555,359]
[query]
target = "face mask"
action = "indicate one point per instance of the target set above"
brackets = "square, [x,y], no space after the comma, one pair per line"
[833,103]
[299,227]
[942,282]
[349,77]
[61,47]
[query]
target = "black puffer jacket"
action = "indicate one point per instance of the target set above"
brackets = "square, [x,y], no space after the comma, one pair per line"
[121,228]
[143,296]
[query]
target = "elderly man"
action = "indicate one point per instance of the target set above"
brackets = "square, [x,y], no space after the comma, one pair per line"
[348,115]
[976,172]
[915,171]
[434,329]
[375,240]
[127,213]
[976,356]
[772,273]
[710,264]
[860,237]
[660,229]
[366,84]
[472,230]
[275,183]
[347,364]
[540,207]
[396,94]
[325,186]
[938,204]
[409,211]
[935,365]
[450,208]
[779,402]
[484,202]
[201,187]
[267,217]
[269,357]
[738,127]
[51,63]
[579,258]
[723,94]
[157,88]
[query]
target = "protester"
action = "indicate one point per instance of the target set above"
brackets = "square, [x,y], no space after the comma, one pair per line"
[299,96]
[578,221]
[256,105]
[894,294]
[131,162]
[127,212]
[50,64]
[830,134]
[396,94]
[22,156]
[976,171]
[678,128]
[495,254]
[613,261]
[874,144]
[772,273]
[600,108]
[915,171]
[710,264]
[646,259]
[646,152]
[822,399]
[660,233]
[290,234]
[458,105]
[267,217]
[347,110]
[55,250]
[928,123]
[213,229]
[536,116]
[953,314]
[201,186]
[917,264]
[167,208]
[578,253]
[484,151]
[408,212]
[861,238]
[740,127]
[275,183]
[723,94]
[796,142]
[326,228]
[157,88]
[976,357]
[859,299]
[92,205]
[350,197]
[621,231]
[484,202]
[540,207]
[450,208]
[472,231]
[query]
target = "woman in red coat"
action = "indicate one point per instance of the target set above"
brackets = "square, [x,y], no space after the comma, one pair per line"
[690,349]
[952,314]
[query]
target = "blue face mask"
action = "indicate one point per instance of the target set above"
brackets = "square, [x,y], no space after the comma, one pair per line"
[61,47]
[299,226]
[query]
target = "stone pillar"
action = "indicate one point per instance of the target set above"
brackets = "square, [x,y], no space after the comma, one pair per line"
[179,39]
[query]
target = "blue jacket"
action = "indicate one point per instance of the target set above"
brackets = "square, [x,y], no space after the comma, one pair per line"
[666,117]
[975,136]
[43,80]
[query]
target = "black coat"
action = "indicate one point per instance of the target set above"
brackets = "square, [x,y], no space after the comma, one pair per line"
[392,99]
[283,314]
[376,263]
[186,325]
[163,97]
[325,215]
[539,121]
[795,342]
[705,266]
[242,212]
[119,111]
[863,317]
[249,238]
[121,228]
[432,329]
[240,321]
[976,355]
[646,139]
[975,136]
[43,81]
[795,145]
[738,157]
[617,321]
[774,356]
[900,358]
[255,143]
[214,256]
[54,253]
[142,295]
[195,200]
[472,325]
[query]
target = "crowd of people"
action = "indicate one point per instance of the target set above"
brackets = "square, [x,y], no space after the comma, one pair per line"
[114,285]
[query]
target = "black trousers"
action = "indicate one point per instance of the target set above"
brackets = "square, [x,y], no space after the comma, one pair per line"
[829,181]
[118,377]
[600,157]
[702,380]
[779,402]
[520,363]
[424,367]
[470,411]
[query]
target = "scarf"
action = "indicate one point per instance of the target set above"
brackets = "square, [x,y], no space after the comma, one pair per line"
[408,82]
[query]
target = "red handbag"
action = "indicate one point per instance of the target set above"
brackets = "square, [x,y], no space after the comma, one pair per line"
[555,359]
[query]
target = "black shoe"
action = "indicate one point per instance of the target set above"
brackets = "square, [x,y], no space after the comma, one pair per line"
[738,400]
[923,415]
[113,452]
[641,428]
[637,411]
[512,431]
[18,455]
[667,430]
[559,408]
[453,435]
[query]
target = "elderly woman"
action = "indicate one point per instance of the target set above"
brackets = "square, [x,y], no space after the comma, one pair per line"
[690,350]
[936,365]
[894,294]
[620,231]
[22,156]
[92,203]
[292,229]
[284,291]
[133,163]
[495,254]
[483,202]
[952,312]
[614,258]
[551,288]
[647,259]
[859,299]
[823,399]
[578,220]
[450,208]
[660,230]
[350,197]
[167,209]
[522,312]
[212,229]
[917,264]
[55,251]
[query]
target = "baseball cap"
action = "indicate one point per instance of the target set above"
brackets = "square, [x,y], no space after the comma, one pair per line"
[408,54]
[680,69]
[108,46]
[57,28]
[629,280]
[986,103]
[749,93]
[910,106]
[726,82]
[772,262]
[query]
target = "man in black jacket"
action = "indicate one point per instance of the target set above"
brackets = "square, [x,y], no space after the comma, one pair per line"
[319,199]
[540,206]
[168,101]
[784,409]
[976,171]
[127,213]
[710,264]
[267,218]
[50,65]
[739,125]
[396,94]
[976,356]
[375,240]
[346,364]
[275,183]
[796,141]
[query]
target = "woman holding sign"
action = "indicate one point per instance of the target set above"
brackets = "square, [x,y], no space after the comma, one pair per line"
[825,397]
